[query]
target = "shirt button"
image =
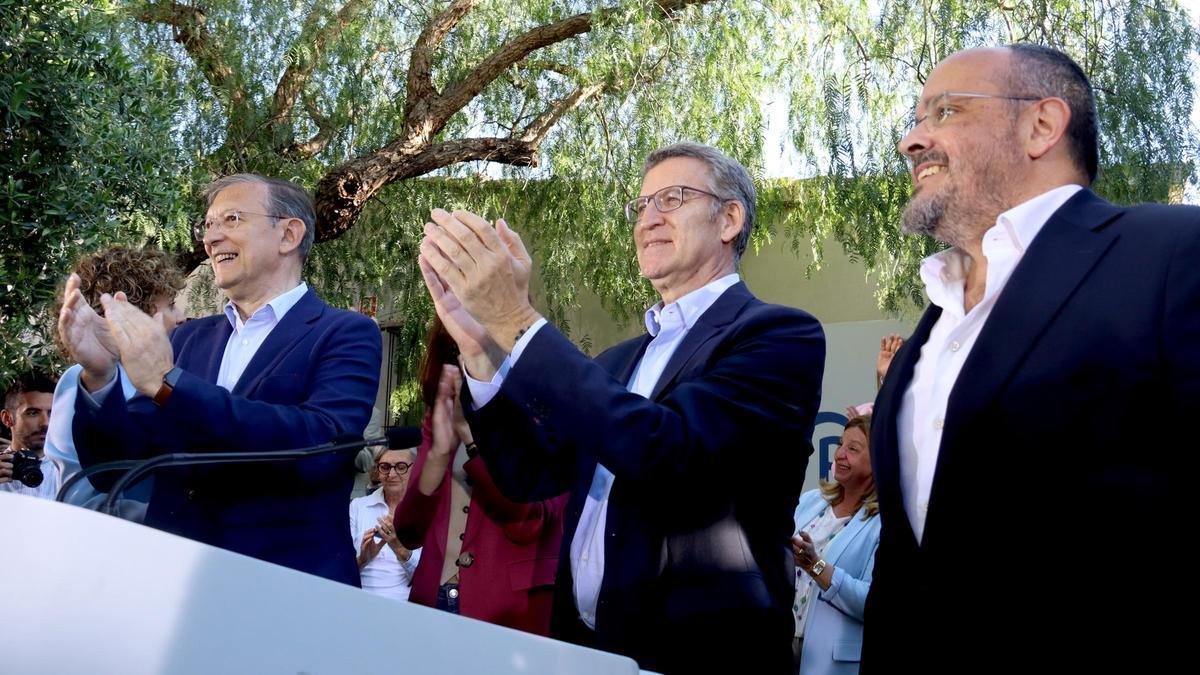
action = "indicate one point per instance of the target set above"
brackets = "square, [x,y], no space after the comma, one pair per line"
[462,536]
[465,560]
[939,423]
[954,346]
[245,342]
[466,509]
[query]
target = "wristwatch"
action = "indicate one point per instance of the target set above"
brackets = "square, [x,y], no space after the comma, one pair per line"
[818,567]
[168,385]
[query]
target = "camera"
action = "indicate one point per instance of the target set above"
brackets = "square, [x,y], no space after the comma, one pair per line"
[26,467]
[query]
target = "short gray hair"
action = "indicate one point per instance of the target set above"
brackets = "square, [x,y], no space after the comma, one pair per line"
[729,181]
[284,198]
[378,451]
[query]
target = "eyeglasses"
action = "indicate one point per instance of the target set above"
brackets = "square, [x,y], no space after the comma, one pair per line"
[940,108]
[386,467]
[228,222]
[665,200]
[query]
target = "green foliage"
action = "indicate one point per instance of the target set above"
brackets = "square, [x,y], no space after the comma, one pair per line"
[864,63]
[85,157]
[848,70]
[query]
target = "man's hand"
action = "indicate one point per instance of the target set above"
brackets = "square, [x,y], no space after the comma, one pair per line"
[86,336]
[142,342]
[481,355]
[486,268]
[5,468]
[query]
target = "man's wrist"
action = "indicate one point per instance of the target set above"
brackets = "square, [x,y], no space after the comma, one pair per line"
[508,332]
[483,365]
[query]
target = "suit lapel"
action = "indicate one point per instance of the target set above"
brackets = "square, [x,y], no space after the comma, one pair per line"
[1064,252]
[201,355]
[622,362]
[282,337]
[885,438]
[842,541]
[1056,263]
[721,313]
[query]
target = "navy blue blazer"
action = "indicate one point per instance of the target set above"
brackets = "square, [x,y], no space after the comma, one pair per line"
[708,471]
[314,378]
[1064,456]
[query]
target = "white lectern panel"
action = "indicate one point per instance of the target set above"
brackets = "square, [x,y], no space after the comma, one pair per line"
[88,593]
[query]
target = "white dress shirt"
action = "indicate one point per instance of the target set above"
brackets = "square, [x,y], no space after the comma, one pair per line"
[668,325]
[922,411]
[386,574]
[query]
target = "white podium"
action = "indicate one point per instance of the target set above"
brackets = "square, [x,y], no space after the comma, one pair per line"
[89,593]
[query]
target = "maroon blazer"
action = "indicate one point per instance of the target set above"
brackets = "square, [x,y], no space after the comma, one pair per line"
[514,547]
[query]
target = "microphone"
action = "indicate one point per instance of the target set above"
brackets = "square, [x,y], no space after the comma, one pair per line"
[75,478]
[141,468]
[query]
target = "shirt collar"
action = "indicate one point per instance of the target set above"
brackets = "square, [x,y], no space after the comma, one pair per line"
[691,306]
[1024,221]
[272,311]
[943,273]
[375,497]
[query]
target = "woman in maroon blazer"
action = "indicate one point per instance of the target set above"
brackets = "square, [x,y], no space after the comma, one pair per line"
[483,555]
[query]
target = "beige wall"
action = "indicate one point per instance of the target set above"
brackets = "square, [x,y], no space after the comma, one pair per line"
[839,292]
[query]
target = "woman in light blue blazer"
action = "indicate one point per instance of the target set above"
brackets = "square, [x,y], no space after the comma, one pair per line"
[837,534]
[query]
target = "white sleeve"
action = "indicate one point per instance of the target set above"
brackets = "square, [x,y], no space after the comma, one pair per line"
[483,392]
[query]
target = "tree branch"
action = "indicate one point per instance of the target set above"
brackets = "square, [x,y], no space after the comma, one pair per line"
[189,26]
[537,130]
[342,193]
[292,82]
[514,151]
[419,87]
[462,92]
[326,130]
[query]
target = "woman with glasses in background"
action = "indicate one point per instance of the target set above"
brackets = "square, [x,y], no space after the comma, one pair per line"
[385,565]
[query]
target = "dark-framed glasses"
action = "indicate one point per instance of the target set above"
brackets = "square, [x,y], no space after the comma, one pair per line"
[944,106]
[665,200]
[386,467]
[227,222]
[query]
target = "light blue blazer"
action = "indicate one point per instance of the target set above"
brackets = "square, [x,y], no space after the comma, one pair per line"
[833,634]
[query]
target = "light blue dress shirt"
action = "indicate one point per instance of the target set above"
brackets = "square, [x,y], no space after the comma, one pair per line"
[249,335]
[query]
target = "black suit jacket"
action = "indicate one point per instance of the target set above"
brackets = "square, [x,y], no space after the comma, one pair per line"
[1065,459]
[708,470]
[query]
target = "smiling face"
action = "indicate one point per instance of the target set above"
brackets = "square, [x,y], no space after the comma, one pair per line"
[852,460]
[965,170]
[258,259]
[684,249]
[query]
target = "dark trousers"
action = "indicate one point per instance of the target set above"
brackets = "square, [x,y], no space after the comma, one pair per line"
[447,599]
